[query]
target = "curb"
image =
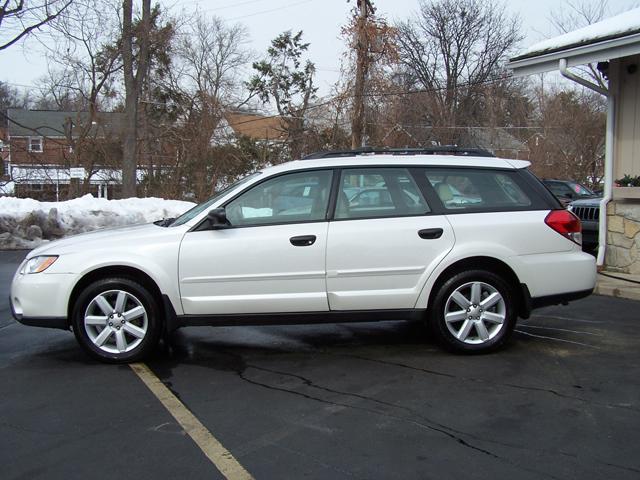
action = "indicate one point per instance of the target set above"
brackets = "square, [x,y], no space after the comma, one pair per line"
[617,288]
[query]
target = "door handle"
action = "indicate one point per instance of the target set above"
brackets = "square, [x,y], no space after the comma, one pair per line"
[430,233]
[303,240]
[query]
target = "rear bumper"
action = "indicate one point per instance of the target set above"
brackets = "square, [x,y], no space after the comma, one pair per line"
[560,299]
[556,274]
[529,304]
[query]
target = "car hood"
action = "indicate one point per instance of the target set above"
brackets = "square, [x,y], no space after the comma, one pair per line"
[106,238]
[587,202]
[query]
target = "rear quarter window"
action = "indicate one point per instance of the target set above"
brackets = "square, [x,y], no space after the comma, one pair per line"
[464,189]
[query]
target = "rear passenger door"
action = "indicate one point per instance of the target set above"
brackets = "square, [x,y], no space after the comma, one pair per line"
[383,240]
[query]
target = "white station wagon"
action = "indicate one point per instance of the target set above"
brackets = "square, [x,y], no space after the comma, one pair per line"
[458,239]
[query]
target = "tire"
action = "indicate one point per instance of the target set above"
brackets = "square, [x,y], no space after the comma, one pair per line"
[487,320]
[117,320]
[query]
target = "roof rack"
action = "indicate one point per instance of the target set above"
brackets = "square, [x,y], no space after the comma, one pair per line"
[442,150]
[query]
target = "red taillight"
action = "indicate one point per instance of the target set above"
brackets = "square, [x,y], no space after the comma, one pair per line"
[566,224]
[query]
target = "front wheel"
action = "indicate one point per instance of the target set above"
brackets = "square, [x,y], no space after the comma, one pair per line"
[473,312]
[116,320]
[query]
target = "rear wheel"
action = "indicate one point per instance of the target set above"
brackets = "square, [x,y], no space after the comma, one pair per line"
[117,320]
[473,312]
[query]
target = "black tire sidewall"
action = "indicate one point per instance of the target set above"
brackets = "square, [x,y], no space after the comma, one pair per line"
[436,313]
[150,340]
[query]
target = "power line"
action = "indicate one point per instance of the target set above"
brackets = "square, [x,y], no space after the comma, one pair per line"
[269,11]
[230,5]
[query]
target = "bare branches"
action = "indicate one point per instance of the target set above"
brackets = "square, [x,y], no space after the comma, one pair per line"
[453,47]
[578,14]
[18,20]
[83,60]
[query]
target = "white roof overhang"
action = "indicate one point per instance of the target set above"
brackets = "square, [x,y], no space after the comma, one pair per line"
[579,55]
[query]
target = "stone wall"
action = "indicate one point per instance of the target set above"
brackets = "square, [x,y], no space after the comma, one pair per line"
[623,238]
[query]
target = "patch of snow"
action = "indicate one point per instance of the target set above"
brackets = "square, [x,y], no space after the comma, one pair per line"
[614,26]
[26,223]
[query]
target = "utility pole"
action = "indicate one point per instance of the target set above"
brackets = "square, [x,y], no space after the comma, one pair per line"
[362,64]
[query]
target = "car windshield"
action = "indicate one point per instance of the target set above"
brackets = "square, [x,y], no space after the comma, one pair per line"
[581,190]
[195,211]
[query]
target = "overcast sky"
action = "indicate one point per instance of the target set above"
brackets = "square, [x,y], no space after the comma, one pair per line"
[320,20]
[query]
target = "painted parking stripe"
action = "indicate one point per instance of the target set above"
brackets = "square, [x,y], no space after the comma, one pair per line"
[210,446]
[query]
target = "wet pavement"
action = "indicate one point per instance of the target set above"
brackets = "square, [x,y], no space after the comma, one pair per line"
[369,401]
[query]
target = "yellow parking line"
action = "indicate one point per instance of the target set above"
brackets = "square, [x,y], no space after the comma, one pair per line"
[210,446]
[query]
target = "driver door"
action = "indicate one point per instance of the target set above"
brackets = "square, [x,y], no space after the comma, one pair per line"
[271,259]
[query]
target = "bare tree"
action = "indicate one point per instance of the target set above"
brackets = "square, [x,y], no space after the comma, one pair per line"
[19,18]
[569,139]
[83,60]
[202,84]
[451,49]
[10,97]
[578,14]
[368,70]
[83,63]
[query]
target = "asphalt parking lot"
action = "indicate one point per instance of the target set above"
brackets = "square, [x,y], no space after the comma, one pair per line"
[365,401]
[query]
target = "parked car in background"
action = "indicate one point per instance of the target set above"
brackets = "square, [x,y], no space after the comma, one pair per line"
[568,190]
[466,244]
[588,211]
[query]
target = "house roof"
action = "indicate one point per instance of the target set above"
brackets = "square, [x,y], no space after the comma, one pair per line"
[613,37]
[494,139]
[255,126]
[52,123]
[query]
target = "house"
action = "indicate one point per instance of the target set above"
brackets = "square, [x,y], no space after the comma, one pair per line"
[260,128]
[614,45]
[38,152]
[496,140]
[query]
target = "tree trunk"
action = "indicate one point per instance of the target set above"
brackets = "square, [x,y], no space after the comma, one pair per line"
[133,82]
[357,120]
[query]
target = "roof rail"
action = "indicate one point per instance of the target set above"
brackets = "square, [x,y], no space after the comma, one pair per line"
[442,150]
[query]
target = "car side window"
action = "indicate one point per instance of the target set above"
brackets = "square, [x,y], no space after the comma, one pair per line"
[468,189]
[378,192]
[295,197]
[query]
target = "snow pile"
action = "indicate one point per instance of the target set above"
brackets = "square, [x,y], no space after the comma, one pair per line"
[26,223]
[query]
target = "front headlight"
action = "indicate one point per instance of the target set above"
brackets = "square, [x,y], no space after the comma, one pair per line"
[38,264]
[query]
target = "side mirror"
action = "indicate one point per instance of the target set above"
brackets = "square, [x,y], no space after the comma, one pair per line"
[218,218]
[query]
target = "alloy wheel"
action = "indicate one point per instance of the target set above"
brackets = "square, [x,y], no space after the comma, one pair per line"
[116,321]
[475,312]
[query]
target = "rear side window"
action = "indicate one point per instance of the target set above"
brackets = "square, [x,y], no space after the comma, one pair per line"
[378,192]
[470,189]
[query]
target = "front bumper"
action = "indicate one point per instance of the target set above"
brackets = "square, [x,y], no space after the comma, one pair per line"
[47,322]
[41,299]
